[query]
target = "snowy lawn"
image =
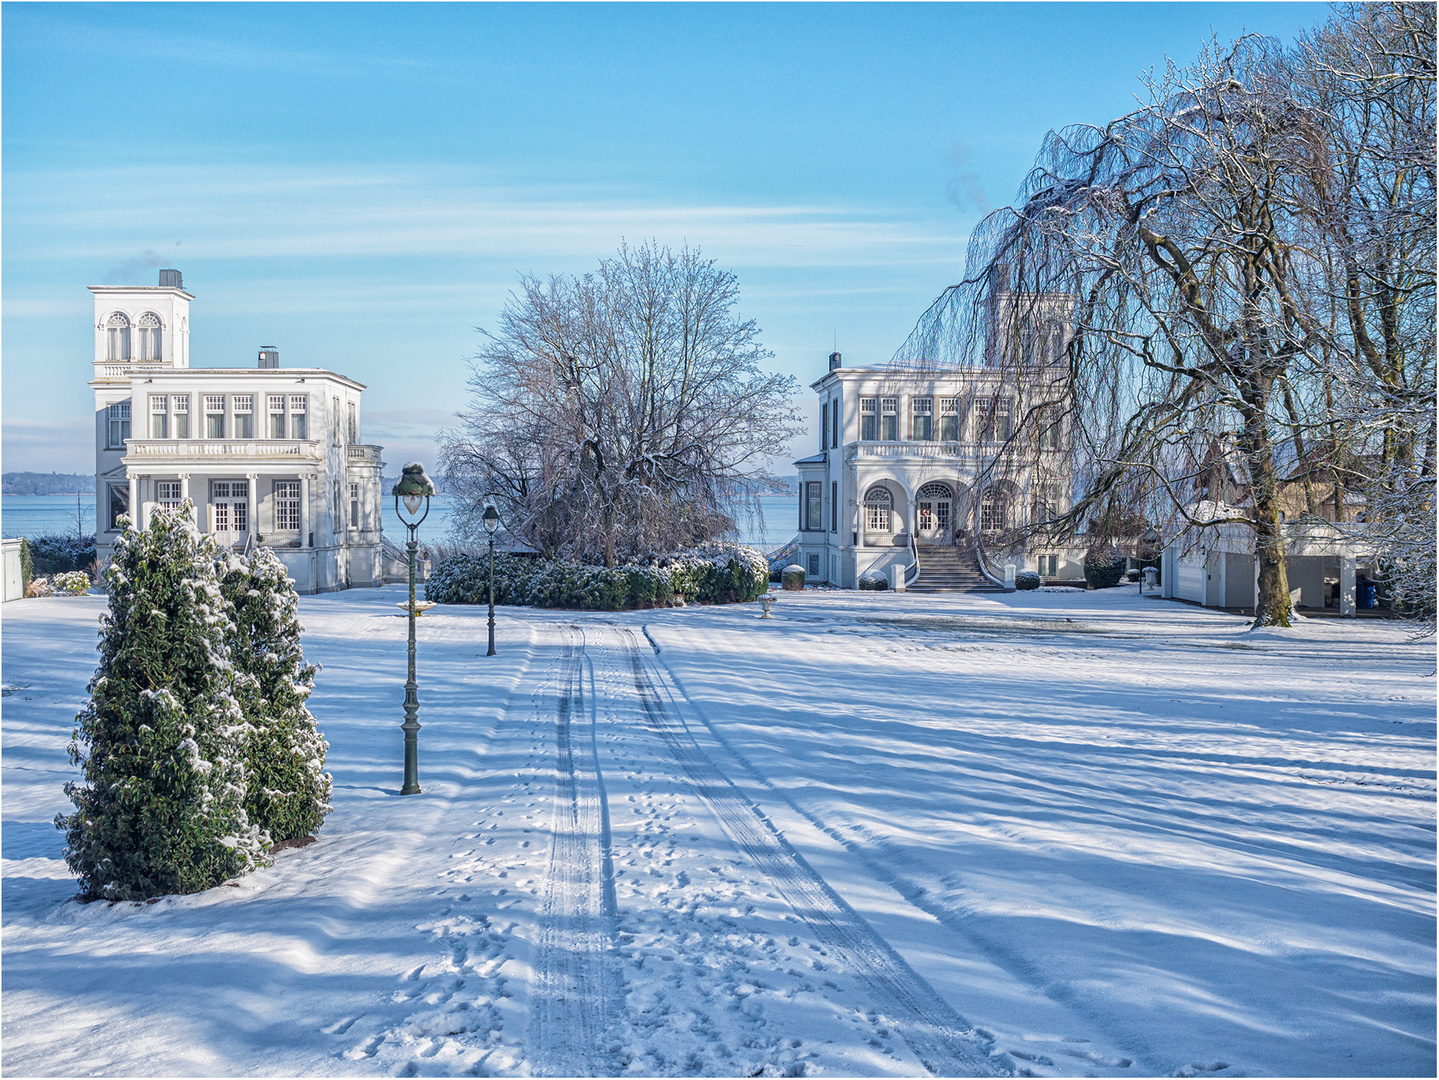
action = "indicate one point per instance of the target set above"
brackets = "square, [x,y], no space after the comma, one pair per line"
[1053,833]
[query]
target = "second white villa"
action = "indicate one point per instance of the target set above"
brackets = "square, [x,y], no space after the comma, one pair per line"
[904,484]
[267,455]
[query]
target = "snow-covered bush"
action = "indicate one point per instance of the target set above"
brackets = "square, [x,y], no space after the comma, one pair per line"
[1103,568]
[792,577]
[873,581]
[74,583]
[714,575]
[162,742]
[287,789]
[39,586]
[1025,580]
[58,553]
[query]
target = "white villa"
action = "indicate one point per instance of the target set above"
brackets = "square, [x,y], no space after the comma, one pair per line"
[893,489]
[268,455]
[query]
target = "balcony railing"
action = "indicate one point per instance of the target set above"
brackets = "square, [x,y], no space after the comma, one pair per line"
[362,452]
[243,449]
[926,450]
[121,370]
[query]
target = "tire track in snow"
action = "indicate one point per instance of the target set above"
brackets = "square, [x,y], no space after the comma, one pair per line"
[940,1038]
[571,1007]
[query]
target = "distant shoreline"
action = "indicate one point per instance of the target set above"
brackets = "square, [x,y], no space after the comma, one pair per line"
[35,483]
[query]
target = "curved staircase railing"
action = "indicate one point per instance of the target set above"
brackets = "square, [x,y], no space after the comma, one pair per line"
[911,572]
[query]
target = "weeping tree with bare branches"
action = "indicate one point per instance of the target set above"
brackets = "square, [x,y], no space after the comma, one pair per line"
[1370,72]
[622,413]
[1181,245]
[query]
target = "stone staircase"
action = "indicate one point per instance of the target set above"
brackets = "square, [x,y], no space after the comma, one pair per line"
[947,568]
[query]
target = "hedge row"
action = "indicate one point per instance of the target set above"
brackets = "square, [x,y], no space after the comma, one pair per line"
[710,575]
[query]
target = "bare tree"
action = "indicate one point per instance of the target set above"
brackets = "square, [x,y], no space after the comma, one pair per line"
[621,413]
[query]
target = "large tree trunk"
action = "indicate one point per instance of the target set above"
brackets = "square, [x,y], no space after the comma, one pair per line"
[1272,605]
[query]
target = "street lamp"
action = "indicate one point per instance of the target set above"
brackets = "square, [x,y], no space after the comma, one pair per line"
[414,490]
[492,522]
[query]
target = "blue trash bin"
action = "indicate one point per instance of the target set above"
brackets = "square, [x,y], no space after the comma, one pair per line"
[1364,594]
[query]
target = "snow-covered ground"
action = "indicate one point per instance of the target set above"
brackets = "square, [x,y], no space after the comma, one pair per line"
[877,834]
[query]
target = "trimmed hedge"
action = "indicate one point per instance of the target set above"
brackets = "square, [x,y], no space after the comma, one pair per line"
[61,553]
[1103,569]
[1024,580]
[708,575]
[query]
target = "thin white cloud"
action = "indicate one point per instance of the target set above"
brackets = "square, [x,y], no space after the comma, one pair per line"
[329,213]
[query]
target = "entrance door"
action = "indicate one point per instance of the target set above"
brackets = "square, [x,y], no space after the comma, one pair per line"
[229,510]
[933,524]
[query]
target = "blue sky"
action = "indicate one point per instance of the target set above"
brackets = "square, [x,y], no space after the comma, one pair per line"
[361,185]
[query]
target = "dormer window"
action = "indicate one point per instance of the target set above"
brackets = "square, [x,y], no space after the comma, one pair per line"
[117,337]
[149,327]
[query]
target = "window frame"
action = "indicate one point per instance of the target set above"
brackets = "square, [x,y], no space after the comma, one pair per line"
[889,419]
[117,425]
[869,419]
[286,495]
[297,411]
[879,511]
[159,416]
[242,416]
[211,410]
[275,430]
[814,506]
[921,423]
[150,343]
[117,338]
[113,511]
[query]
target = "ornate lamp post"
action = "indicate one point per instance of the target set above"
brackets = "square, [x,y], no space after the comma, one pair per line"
[492,522]
[414,490]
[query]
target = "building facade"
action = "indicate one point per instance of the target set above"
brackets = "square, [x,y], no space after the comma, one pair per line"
[267,455]
[906,478]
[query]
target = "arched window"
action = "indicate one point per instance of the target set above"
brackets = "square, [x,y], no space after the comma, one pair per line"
[935,490]
[877,506]
[117,337]
[993,512]
[149,326]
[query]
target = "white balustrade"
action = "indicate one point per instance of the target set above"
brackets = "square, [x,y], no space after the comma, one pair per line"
[924,450]
[249,449]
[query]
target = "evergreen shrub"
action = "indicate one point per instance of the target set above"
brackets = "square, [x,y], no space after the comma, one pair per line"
[27,566]
[873,581]
[708,575]
[1103,568]
[287,793]
[792,577]
[1025,580]
[162,742]
[59,553]
[197,750]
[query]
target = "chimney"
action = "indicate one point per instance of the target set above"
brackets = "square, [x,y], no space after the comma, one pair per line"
[269,356]
[834,361]
[170,279]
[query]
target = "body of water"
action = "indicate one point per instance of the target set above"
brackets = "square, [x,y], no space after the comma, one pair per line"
[42,515]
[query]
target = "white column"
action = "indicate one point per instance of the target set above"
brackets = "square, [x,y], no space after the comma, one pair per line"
[305,510]
[134,501]
[1346,586]
[253,510]
[185,494]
